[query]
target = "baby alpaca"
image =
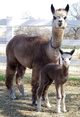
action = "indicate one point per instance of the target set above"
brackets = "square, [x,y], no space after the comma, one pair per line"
[57,73]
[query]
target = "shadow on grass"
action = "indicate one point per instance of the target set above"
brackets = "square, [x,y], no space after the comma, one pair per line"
[22,107]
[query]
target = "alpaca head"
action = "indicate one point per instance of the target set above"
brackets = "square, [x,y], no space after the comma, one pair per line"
[59,16]
[66,57]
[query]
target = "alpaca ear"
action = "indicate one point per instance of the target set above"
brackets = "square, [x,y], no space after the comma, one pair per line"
[52,9]
[72,52]
[61,51]
[67,8]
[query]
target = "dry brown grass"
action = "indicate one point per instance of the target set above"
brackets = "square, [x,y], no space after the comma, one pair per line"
[21,107]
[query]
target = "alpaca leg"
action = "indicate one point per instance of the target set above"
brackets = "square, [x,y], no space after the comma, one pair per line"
[63,99]
[59,105]
[39,94]
[20,86]
[64,105]
[10,71]
[47,101]
[35,84]
[19,78]
[34,90]
[58,92]
[43,86]
[45,94]
[38,104]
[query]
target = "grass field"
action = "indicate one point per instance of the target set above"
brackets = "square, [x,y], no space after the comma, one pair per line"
[21,107]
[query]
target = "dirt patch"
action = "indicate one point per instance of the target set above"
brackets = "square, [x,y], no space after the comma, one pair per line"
[21,107]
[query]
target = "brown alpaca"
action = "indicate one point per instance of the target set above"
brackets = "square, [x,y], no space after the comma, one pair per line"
[34,53]
[57,73]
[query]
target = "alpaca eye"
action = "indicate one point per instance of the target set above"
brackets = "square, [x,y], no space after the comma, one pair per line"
[54,17]
[62,58]
[69,58]
[65,17]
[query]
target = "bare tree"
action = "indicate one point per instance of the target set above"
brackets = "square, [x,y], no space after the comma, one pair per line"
[33,31]
[75,13]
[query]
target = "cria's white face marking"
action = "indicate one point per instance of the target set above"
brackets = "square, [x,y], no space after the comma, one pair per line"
[66,59]
[59,19]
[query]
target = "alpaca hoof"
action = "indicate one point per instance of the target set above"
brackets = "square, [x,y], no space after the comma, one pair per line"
[22,94]
[13,97]
[34,103]
[38,110]
[59,112]
[64,111]
[49,106]
[11,94]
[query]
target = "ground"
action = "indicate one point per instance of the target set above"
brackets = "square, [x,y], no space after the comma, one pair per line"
[21,107]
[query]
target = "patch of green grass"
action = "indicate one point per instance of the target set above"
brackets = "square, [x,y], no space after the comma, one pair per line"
[74,78]
[74,81]
[27,78]
[2,77]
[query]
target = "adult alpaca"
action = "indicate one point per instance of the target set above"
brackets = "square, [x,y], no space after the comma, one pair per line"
[34,52]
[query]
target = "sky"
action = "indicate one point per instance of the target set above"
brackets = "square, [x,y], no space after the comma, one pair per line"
[34,8]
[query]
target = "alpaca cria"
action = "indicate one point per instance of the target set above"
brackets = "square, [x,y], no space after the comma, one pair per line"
[34,52]
[57,73]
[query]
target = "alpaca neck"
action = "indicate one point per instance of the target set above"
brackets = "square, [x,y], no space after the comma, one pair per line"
[57,36]
[65,70]
[54,45]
